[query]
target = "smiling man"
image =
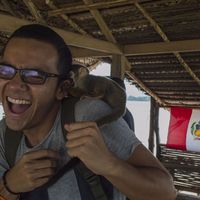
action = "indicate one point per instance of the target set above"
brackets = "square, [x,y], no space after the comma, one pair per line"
[34,68]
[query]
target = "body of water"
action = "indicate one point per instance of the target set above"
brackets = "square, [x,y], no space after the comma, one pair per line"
[141,113]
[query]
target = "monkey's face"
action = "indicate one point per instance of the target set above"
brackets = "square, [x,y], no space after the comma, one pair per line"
[76,74]
[74,78]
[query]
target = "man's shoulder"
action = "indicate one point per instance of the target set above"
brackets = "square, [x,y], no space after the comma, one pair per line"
[118,136]
[91,109]
[92,102]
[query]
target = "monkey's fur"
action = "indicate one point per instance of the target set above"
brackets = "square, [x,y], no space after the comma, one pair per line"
[87,85]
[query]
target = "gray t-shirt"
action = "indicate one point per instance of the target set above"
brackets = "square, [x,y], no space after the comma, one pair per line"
[117,135]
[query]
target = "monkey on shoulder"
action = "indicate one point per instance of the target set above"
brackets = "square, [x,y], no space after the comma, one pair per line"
[99,87]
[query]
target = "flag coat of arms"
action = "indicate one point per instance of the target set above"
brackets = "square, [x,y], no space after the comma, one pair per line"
[184,129]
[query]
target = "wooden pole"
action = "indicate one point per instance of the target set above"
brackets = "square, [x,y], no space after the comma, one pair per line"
[118,66]
[157,128]
[152,125]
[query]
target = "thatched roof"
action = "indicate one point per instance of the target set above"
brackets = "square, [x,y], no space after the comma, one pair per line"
[159,40]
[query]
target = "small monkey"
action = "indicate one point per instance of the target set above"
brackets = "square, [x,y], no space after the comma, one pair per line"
[87,85]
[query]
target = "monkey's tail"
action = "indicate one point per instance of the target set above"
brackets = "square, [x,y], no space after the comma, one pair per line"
[113,116]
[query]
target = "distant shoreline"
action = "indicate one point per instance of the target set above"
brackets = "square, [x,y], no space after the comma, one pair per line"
[140,98]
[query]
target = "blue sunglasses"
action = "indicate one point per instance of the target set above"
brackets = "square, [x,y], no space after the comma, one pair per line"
[31,76]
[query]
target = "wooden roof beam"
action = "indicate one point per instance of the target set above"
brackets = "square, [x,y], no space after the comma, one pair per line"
[86,53]
[116,69]
[183,102]
[34,11]
[147,48]
[100,21]
[70,22]
[9,24]
[168,81]
[143,49]
[81,8]
[8,7]
[66,18]
[110,37]
[181,93]
[165,38]
[180,97]
[162,47]
[101,48]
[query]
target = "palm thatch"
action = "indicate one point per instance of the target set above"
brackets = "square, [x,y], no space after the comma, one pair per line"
[154,43]
[157,39]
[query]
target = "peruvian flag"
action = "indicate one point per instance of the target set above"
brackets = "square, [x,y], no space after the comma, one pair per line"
[184,129]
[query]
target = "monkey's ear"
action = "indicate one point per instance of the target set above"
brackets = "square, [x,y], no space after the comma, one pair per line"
[82,71]
[63,88]
[72,75]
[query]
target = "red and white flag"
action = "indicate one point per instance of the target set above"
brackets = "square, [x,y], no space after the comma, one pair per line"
[184,129]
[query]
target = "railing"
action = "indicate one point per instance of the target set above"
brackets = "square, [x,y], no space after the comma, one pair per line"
[184,167]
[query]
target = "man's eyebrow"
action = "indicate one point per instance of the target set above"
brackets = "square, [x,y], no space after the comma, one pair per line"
[31,67]
[23,67]
[5,62]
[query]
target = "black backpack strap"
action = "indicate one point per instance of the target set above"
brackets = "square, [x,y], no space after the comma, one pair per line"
[68,116]
[12,140]
[108,187]
[67,111]
[84,188]
[93,180]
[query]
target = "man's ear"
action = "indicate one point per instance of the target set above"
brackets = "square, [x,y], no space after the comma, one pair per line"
[63,88]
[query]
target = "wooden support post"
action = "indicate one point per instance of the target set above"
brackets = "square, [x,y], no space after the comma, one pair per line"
[157,127]
[118,66]
[152,125]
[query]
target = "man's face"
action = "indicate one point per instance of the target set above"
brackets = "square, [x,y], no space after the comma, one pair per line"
[25,105]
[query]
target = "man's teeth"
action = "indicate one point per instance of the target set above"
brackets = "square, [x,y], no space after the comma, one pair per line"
[18,101]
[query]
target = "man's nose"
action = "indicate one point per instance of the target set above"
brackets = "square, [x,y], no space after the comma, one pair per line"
[17,83]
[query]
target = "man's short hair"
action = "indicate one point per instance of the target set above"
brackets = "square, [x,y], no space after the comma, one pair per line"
[46,34]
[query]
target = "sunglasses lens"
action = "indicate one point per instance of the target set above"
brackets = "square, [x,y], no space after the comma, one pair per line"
[33,77]
[7,72]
